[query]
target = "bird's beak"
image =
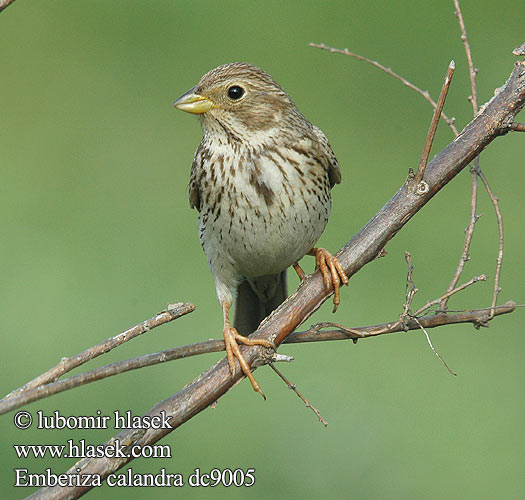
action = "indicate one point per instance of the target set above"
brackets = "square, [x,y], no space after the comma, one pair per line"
[192,102]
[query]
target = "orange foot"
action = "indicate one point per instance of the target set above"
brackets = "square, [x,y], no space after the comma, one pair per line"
[231,337]
[331,269]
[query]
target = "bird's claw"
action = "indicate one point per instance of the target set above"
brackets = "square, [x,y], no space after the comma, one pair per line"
[231,339]
[332,271]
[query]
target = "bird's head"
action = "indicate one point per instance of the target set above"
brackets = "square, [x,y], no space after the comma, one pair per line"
[239,99]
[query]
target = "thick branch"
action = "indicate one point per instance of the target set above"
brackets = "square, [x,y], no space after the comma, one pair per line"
[492,121]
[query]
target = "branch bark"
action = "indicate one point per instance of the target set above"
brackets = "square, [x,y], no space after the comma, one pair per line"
[494,120]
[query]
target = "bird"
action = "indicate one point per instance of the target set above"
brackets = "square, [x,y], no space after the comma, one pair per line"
[261,181]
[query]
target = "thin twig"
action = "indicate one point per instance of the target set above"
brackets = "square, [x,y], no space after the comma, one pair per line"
[174,311]
[434,349]
[431,303]
[471,70]
[352,333]
[293,387]
[410,292]
[433,126]
[469,232]
[404,81]
[410,288]
[499,258]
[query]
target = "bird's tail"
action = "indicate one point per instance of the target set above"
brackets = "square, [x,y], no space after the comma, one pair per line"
[256,299]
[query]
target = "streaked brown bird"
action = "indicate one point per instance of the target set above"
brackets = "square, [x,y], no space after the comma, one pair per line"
[261,181]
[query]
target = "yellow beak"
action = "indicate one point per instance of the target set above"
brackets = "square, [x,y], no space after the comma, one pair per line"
[191,102]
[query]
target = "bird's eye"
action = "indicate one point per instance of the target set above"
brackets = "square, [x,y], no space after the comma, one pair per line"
[235,92]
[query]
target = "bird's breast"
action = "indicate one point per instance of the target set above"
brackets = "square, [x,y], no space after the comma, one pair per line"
[263,209]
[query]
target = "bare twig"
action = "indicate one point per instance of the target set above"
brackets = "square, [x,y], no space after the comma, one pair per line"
[431,303]
[293,387]
[410,288]
[351,333]
[469,232]
[433,348]
[404,81]
[174,311]
[499,258]
[471,70]
[5,3]
[433,127]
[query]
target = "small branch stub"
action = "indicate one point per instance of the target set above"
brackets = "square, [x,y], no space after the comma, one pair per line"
[422,188]
[276,358]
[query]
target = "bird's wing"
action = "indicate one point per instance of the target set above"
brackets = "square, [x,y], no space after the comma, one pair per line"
[193,186]
[332,166]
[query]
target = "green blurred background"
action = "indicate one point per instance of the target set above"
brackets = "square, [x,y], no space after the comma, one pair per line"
[97,235]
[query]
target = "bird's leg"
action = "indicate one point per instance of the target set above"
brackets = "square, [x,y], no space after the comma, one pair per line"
[231,337]
[330,267]
[299,271]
